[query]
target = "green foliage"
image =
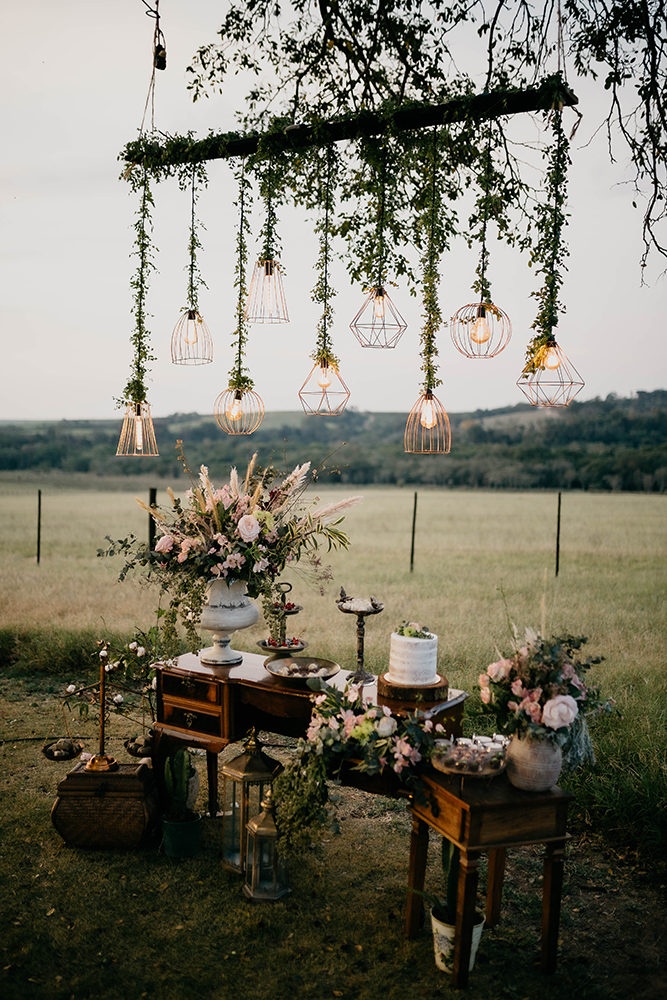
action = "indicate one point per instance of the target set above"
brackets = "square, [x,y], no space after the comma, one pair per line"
[323,292]
[178,770]
[197,173]
[135,389]
[239,377]
[301,797]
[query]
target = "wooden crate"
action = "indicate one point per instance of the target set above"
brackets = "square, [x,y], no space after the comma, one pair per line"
[107,809]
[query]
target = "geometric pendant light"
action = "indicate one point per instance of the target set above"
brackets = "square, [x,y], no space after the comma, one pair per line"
[555,382]
[378,323]
[137,437]
[324,392]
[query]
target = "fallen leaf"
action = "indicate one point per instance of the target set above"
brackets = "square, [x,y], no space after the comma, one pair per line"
[359,947]
[165,885]
[51,911]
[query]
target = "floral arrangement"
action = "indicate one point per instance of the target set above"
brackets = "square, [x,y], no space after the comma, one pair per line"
[414,630]
[539,691]
[248,529]
[345,726]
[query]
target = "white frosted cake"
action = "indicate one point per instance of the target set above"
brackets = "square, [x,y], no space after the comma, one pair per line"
[413,662]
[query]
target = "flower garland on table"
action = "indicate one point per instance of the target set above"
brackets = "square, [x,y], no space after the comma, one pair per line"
[344,727]
[249,529]
[539,691]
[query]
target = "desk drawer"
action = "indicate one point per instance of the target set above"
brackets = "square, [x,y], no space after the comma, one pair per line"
[192,720]
[188,687]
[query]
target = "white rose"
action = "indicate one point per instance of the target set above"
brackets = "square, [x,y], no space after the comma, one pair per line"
[133,645]
[70,689]
[249,527]
[118,699]
[559,711]
[386,726]
[141,651]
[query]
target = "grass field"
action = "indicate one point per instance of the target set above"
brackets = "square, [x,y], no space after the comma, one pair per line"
[76,924]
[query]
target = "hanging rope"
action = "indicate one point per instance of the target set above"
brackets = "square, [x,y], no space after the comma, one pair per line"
[159,61]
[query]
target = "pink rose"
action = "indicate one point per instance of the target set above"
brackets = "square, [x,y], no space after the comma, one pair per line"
[485,695]
[248,527]
[560,711]
[499,671]
[484,680]
[517,687]
[165,544]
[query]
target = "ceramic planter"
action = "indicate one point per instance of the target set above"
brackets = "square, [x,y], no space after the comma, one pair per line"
[443,942]
[533,765]
[181,840]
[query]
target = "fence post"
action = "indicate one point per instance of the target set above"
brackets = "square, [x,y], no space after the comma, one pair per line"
[558,537]
[414,523]
[152,502]
[39,525]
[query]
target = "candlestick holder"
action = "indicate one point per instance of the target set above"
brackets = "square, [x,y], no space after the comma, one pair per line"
[362,607]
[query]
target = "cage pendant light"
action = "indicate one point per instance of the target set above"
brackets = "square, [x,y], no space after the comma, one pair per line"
[238,408]
[554,384]
[137,436]
[266,300]
[428,431]
[191,342]
[379,323]
[481,329]
[324,393]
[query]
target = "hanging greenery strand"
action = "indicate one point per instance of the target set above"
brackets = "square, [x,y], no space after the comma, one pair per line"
[195,280]
[239,379]
[135,390]
[431,279]
[550,253]
[323,292]
[482,285]
[268,234]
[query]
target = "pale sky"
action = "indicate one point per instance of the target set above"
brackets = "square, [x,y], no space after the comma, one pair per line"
[74,79]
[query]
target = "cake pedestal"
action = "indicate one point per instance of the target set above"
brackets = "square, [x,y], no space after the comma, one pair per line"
[425,693]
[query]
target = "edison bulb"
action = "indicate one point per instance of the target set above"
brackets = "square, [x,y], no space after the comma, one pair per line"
[139,430]
[191,336]
[480,332]
[427,417]
[378,304]
[551,359]
[235,411]
[324,377]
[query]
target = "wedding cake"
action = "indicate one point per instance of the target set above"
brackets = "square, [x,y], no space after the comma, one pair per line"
[413,661]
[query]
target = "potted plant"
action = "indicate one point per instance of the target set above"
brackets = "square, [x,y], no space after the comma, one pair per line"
[180,824]
[443,913]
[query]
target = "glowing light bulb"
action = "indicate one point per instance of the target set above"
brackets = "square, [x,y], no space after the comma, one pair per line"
[427,417]
[324,376]
[551,359]
[139,430]
[191,328]
[480,332]
[378,304]
[235,411]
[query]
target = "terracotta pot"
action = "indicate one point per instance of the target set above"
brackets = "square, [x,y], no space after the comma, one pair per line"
[533,765]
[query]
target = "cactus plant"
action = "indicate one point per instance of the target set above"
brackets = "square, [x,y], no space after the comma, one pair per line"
[178,774]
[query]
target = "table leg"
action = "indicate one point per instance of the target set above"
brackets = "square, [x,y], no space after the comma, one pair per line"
[212,777]
[416,875]
[551,896]
[465,917]
[494,887]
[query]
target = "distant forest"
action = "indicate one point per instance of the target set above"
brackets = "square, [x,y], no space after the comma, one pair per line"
[602,444]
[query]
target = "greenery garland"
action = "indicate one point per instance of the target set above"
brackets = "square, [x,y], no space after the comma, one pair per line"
[239,377]
[323,292]
[135,390]
[197,177]
[431,277]
[268,233]
[550,252]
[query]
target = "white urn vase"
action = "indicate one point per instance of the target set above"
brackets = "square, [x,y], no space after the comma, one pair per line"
[228,609]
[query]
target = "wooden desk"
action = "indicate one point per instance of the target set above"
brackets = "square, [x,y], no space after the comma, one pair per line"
[488,815]
[210,707]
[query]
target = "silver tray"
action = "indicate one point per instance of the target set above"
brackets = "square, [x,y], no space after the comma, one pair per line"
[280,667]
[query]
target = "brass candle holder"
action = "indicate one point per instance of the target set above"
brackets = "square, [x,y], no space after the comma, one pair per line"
[101,761]
[361,607]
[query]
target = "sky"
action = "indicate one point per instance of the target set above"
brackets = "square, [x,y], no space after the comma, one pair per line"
[74,78]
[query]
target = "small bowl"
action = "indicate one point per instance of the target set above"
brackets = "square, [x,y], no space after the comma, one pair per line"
[301,668]
[281,651]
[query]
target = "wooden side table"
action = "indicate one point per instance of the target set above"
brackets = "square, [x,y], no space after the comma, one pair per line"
[488,815]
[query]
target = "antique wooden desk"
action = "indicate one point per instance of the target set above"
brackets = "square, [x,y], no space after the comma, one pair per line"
[488,815]
[210,707]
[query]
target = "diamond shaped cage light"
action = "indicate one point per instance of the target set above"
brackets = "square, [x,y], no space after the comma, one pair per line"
[238,412]
[266,299]
[555,383]
[191,341]
[324,392]
[378,323]
[137,436]
[480,330]
[427,431]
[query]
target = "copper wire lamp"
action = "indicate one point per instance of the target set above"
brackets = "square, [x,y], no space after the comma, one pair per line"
[238,412]
[428,431]
[137,436]
[555,383]
[266,300]
[191,342]
[324,392]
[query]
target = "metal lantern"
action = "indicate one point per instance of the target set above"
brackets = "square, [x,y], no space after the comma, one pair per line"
[137,437]
[555,383]
[238,412]
[378,323]
[324,391]
[480,330]
[266,872]
[427,431]
[191,341]
[266,299]
[245,781]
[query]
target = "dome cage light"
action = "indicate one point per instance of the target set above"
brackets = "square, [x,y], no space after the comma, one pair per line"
[191,341]
[480,330]
[324,392]
[238,412]
[378,323]
[427,431]
[266,299]
[137,436]
[555,382]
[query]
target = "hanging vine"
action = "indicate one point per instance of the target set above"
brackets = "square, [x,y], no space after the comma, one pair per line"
[196,176]
[239,377]
[434,245]
[323,292]
[135,390]
[268,233]
[550,253]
